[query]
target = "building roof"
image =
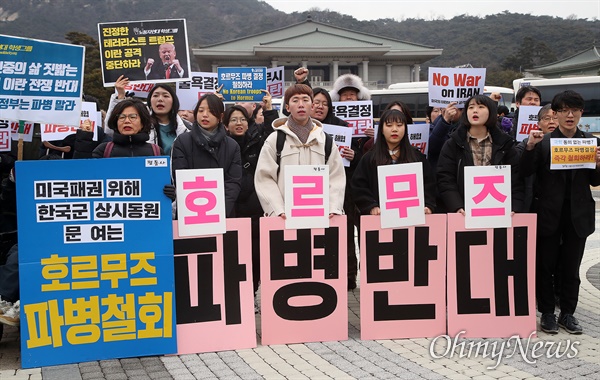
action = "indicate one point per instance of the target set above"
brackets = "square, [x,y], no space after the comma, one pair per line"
[586,59]
[312,38]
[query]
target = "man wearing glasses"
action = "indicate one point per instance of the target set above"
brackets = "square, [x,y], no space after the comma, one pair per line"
[566,214]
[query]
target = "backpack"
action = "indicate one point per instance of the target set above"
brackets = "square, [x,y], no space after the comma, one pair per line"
[506,124]
[110,145]
[281,142]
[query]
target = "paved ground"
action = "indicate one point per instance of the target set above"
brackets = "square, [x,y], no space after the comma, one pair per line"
[354,358]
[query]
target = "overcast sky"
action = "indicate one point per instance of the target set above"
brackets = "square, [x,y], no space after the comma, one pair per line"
[431,10]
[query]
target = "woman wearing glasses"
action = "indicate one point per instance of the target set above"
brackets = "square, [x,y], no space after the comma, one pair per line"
[131,123]
[251,142]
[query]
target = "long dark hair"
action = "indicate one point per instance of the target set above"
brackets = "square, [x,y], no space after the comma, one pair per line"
[403,107]
[141,109]
[174,107]
[215,106]
[489,104]
[381,155]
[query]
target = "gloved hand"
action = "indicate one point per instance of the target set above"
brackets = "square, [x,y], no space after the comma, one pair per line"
[170,191]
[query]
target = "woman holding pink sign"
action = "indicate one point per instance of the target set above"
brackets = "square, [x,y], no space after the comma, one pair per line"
[391,147]
[476,142]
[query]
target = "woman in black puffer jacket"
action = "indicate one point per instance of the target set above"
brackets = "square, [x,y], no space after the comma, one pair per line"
[131,122]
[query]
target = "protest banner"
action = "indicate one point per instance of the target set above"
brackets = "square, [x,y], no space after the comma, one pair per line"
[190,91]
[96,273]
[306,196]
[358,115]
[5,136]
[403,279]
[527,121]
[488,196]
[26,133]
[447,85]
[573,153]
[89,116]
[303,282]
[401,194]
[491,279]
[42,82]
[200,202]
[342,137]
[139,90]
[213,282]
[275,81]
[418,135]
[150,50]
[242,84]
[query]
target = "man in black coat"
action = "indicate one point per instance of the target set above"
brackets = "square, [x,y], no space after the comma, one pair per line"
[566,214]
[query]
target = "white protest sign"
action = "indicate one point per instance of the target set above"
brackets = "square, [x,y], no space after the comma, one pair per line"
[201,202]
[488,197]
[89,116]
[447,85]
[342,137]
[358,115]
[528,121]
[139,89]
[27,131]
[418,135]
[275,82]
[306,196]
[189,92]
[401,195]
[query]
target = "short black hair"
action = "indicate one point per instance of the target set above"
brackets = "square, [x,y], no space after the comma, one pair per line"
[524,90]
[489,103]
[215,105]
[569,99]
[141,109]
[231,110]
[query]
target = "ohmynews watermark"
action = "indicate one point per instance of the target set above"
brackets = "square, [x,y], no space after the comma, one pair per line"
[498,350]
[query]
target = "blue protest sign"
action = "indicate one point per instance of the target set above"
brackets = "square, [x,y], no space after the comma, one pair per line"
[95,260]
[242,84]
[41,81]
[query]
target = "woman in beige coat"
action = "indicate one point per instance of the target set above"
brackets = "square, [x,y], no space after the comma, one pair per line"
[304,145]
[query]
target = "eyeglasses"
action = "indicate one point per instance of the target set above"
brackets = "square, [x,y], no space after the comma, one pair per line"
[236,121]
[320,104]
[132,117]
[548,118]
[567,111]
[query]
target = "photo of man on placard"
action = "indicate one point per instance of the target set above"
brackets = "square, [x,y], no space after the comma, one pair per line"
[169,66]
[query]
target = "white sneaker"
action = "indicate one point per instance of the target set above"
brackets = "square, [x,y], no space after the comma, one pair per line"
[5,306]
[11,317]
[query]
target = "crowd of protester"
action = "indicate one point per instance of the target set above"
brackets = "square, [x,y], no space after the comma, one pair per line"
[253,146]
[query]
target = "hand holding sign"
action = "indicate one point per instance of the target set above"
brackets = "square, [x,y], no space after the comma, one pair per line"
[218,93]
[267,101]
[450,113]
[121,83]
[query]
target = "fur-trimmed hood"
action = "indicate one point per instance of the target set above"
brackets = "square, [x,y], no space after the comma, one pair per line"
[349,80]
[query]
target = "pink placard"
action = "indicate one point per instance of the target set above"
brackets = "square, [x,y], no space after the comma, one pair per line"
[491,279]
[303,282]
[402,282]
[214,291]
